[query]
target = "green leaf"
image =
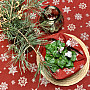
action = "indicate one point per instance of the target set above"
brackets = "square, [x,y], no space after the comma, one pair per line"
[53,69]
[64,51]
[69,64]
[61,63]
[48,46]
[73,58]
[47,52]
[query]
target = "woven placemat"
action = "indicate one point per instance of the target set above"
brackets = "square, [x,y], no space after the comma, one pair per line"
[75,78]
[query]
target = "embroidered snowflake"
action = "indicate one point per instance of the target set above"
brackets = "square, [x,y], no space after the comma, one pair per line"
[33,67]
[12,70]
[71,42]
[70,1]
[44,81]
[13,82]
[22,81]
[69,70]
[58,88]
[66,9]
[84,36]
[4,57]
[68,18]
[79,87]
[3,86]
[81,66]
[82,5]
[2,37]
[32,15]
[71,27]
[88,73]
[56,2]
[61,39]
[88,24]
[78,16]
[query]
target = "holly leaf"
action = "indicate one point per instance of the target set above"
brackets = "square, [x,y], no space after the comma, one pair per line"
[61,63]
[73,58]
[54,69]
[69,64]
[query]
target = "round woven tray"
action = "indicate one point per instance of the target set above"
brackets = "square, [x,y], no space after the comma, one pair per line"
[75,78]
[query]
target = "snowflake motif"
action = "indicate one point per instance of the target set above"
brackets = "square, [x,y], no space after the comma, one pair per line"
[79,87]
[87,15]
[78,16]
[68,18]
[58,88]
[81,66]
[3,86]
[69,70]
[2,46]
[88,73]
[2,37]
[61,40]
[9,46]
[4,68]
[22,81]
[31,55]
[33,80]
[33,67]
[66,9]
[44,81]
[0,71]
[84,36]
[62,28]
[70,1]
[88,24]
[71,42]
[87,47]
[63,0]
[13,82]
[80,26]
[4,57]
[12,70]
[13,57]
[71,27]
[56,2]
[32,15]
[82,5]
[88,85]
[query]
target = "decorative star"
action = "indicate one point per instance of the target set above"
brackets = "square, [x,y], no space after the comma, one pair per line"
[12,70]
[66,9]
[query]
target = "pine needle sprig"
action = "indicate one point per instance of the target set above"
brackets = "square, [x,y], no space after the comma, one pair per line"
[20,29]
